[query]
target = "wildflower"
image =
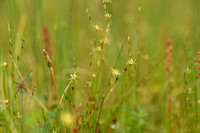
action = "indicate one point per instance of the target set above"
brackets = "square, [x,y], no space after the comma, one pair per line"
[198,101]
[93,75]
[106,41]
[188,70]
[73,77]
[130,62]
[107,1]
[187,98]
[108,28]
[129,39]
[107,16]
[86,11]
[18,115]
[99,49]
[6,101]
[5,64]
[189,90]
[112,126]
[90,84]
[115,72]
[97,28]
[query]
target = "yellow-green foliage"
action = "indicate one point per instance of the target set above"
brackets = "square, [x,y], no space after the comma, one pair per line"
[99,66]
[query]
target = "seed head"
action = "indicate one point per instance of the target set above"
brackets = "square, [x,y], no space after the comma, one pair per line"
[49,62]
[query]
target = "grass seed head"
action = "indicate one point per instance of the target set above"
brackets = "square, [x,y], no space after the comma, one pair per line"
[49,62]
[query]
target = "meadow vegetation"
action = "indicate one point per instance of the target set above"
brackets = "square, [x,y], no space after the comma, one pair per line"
[99,66]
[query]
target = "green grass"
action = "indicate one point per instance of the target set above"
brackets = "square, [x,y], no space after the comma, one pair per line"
[133,71]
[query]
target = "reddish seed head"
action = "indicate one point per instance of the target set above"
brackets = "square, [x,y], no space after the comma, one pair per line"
[197,63]
[198,54]
[80,107]
[76,111]
[169,43]
[75,130]
[169,55]
[47,41]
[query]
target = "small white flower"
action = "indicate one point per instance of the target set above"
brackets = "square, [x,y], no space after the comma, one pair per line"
[189,90]
[73,77]
[107,16]
[131,62]
[93,75]
[188,70]
[6,101]
[86,11]
[4,65]
[187,98]
[113,126]
[97,28]
[99,49]
[18,115]
[115,72]
[106,41]
[107,1]
[89,83]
